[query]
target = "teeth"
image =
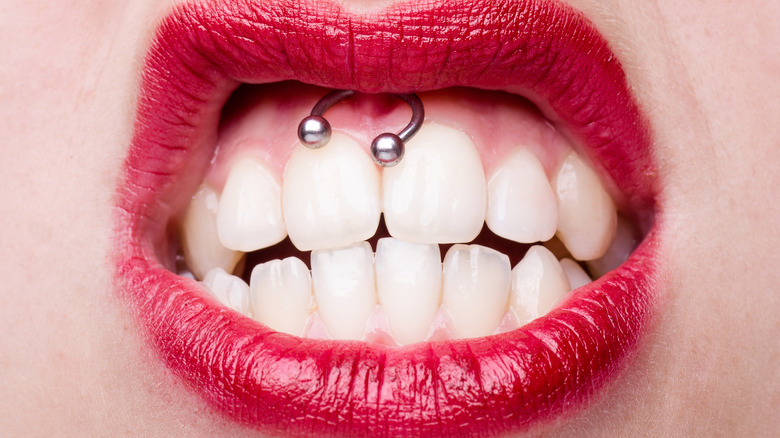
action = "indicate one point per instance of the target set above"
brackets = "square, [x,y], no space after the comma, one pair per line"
[622,246]
[437,193]
[538,282]
[250,209]
[574,272]
[331,201]
[408,278]
[330,195]
[281,296]
[230,290]
[476,289]
[586,214]
[200,244]
[344,287]
[521,203]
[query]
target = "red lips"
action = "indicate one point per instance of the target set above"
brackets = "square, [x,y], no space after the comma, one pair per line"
[279,383]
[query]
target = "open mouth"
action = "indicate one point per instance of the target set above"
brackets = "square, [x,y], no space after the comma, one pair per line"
[491,280]
[270,210]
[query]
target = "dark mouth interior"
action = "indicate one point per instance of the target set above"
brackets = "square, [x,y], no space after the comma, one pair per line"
[515,251]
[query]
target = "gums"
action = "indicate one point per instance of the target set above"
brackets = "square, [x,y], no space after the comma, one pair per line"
[278,383]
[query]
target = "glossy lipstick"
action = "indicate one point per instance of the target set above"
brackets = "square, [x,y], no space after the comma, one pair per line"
[282,384]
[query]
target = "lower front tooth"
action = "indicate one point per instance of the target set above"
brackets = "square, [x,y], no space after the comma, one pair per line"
[250,208]
[344,286]
[280,295]
[476,289]
[622,245]
[230,290]
[586,214]
[574,272]
[408,278]
[200,243]
[538,282]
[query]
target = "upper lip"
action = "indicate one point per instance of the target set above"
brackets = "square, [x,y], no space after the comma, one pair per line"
[543,50]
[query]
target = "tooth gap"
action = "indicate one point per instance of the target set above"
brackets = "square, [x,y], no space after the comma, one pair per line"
[557,248]
[514,250]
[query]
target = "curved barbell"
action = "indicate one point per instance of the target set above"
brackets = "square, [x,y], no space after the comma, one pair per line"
[387,149]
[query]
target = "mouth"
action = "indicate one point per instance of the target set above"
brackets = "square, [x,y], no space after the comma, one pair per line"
[408,320]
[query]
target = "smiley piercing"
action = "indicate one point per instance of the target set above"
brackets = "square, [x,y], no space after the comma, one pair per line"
[386,150]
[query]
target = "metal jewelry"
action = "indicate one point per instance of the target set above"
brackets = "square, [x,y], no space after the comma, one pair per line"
[386,149]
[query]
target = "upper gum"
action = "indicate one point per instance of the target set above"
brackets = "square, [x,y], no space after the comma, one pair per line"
[258,130]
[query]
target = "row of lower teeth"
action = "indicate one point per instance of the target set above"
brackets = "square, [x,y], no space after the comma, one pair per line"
[474,292]
[332,199]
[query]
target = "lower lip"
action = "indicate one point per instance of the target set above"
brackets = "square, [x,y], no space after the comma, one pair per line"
[281,383]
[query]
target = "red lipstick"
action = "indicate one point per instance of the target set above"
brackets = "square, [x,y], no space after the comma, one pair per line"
[278,383]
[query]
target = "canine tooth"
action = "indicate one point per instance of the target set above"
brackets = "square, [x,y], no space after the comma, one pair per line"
[538,282]
[586,214]
[344,286]
[280,295]
[622,246]
[330,196]
[437,193]
[250,208]
[521,202]
[408,279]
[200,243]
[230,290]
[476,288]
[574,272]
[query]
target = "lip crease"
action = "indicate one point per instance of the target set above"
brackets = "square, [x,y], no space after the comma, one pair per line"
[544,50]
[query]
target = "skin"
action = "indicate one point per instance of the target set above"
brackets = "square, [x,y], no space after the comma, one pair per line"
[72,362]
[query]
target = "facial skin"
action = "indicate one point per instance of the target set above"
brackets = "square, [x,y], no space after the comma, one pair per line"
[73,363]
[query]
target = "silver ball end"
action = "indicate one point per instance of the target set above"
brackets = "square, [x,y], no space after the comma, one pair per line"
[314,132]
[387,149]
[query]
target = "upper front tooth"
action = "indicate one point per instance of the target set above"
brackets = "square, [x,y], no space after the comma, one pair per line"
[437,193]
[408,278]
[200,244]
[476,289]
[230,290]
[538,282]
[330,195]
[586,214]
[521,203]
[280,295]
[250,209]
[344,286]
